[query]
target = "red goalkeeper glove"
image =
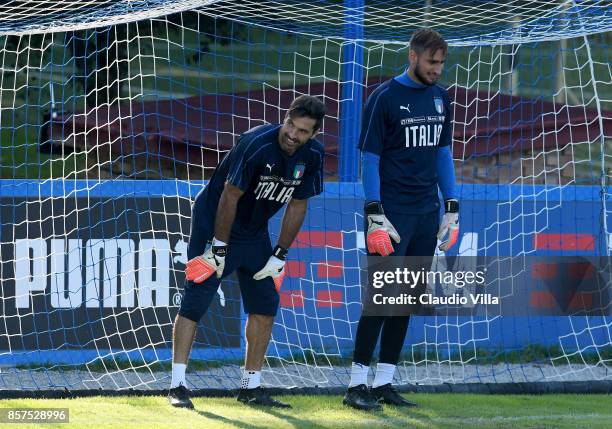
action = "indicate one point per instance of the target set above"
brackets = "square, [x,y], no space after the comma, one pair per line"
[449,227]
[275,267]
[200,268]
[380,230]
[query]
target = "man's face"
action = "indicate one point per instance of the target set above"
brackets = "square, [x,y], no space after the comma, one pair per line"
[295,132]
[427,66]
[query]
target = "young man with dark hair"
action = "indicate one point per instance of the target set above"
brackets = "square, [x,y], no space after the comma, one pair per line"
[270,165]
[405,142]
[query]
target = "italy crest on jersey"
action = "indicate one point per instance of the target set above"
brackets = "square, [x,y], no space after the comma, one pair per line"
[299,171]
[439,105]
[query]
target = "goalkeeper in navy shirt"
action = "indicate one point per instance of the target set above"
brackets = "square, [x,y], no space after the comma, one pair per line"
[270,166]
[406,156]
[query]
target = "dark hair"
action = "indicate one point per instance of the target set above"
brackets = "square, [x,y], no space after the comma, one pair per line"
[307,105]
[426,39]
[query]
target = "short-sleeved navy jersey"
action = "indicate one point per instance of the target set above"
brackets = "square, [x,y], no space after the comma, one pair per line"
[267,175]
[405,125]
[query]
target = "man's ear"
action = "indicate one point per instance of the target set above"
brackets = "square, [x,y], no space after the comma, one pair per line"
[412,56]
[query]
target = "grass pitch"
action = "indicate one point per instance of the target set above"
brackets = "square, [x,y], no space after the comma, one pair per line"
[437,411]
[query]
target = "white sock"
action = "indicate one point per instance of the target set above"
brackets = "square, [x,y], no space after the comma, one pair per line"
[359,374]
[250,379]
[384,374]
[178,375]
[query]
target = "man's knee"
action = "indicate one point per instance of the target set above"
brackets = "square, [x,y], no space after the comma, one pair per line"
[181,321]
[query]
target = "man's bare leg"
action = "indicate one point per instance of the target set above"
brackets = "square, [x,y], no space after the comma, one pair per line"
[183,335]
[258,332]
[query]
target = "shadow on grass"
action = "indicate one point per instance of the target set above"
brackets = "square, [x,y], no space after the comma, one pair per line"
[296,422]
[406,419]
[236,423]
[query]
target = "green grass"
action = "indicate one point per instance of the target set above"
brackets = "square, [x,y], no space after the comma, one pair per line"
[436,411]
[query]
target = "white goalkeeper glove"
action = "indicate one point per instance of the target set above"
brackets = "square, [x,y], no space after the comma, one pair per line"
[380,230]
[449,227]
[200,268]
[275,267]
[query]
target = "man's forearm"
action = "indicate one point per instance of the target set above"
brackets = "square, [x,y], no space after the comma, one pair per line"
[226,212]
[446,173]
[370,176]
[292,222]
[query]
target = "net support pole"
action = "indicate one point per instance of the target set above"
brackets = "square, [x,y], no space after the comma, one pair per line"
[351,91]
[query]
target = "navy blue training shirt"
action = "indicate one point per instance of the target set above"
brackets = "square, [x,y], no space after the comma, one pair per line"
[268,176]
[405,123]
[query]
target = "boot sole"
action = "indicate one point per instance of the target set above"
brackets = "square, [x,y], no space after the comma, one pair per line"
[359,407]
[257,404]
[188,406]
[401,405]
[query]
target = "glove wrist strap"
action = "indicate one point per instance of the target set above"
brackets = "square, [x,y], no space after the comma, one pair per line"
[280,253]
[373,208]
[451,206]
[219,250]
